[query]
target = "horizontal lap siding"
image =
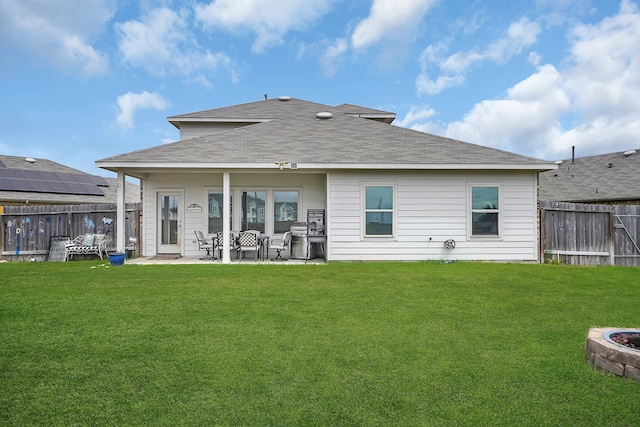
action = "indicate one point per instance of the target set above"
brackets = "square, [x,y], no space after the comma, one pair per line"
[431,207]
[193,187]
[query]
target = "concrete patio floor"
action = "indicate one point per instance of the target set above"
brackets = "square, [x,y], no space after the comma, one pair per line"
[197,260]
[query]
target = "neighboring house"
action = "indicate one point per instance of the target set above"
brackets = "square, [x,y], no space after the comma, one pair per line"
[389,193]
[612,178]
[43,182]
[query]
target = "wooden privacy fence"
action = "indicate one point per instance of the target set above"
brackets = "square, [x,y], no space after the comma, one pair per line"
[584,234]
[27,230]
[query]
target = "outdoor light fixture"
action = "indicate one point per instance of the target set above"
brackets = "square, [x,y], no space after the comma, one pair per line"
[281,164]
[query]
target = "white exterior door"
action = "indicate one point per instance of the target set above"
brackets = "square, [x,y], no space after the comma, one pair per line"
[169,222]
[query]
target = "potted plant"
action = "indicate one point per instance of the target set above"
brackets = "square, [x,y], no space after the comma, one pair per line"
[116,258]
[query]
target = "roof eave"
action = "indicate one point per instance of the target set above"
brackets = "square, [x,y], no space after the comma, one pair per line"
[116,166]
[175,121]
[386,118]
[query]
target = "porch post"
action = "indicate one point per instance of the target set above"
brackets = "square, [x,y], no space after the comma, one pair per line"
[120,216]
[226,212]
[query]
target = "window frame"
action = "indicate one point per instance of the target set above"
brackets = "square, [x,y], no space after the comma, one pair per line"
[208,190]
[471,211]
[236,217]
[272,205]
[242,208]
[364,210]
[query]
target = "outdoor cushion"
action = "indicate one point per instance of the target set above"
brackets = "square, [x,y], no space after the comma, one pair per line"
[88,240]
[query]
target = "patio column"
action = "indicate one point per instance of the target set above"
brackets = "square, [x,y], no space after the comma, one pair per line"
[121,227]
[226,221]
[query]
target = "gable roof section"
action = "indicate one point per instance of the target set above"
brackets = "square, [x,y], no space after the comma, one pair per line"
[611,177]
[271,109]
[341,142]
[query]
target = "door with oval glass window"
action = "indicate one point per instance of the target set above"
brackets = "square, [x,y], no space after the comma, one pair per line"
[169,223]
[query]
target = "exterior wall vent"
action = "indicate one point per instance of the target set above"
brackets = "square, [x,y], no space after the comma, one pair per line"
[294,165]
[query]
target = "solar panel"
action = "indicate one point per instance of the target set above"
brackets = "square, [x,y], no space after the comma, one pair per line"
[98,180]
[50,182]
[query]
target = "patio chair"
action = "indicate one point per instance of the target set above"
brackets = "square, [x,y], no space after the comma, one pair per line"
[204,244]
[220,243]
[283,245]
[248,241]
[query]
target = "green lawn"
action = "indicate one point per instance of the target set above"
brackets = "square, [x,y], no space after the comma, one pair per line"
[364,344]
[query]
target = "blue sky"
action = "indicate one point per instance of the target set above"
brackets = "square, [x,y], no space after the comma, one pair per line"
[82,80]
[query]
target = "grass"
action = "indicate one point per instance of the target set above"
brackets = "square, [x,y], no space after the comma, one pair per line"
[367,344]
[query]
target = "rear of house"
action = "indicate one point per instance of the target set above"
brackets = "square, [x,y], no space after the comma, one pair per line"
[388,193]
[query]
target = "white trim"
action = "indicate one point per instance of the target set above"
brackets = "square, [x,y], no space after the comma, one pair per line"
[363,209]
[500,210]
[181,214]
[269,205]
[141,166]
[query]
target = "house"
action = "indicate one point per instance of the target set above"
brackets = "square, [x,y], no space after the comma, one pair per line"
[44,182]
[612,178]
[389,193]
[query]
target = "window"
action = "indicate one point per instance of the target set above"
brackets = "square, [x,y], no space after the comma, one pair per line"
[485,211]
[285,210]
[215,211]
[253,210]
[378,210]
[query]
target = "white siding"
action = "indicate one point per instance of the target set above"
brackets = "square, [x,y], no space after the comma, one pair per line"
[312,189]
[431,207]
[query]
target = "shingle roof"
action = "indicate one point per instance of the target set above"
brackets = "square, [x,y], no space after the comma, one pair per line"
[298,136]
[107,185]
[604,178]
[274,108]
[17,162]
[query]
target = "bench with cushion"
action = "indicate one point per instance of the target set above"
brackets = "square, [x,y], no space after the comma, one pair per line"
[86,244]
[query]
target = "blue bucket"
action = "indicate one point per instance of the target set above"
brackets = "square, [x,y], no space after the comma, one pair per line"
[116,259]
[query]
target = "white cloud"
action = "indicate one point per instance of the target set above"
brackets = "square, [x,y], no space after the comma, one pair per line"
[592,103]
[58,32]
[425,85]
[605,74]
[450,70]
[390,19]
[268,21]
[604,83]
[131,102]
[417,113]
[332,56]
[163,44]
[526,121]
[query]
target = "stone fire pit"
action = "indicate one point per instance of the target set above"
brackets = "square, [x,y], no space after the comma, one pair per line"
[609,356]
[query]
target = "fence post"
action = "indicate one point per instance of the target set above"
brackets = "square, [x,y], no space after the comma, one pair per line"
[68,224]
[612,238]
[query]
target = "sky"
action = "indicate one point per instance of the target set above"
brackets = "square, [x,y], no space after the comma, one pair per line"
[82,80]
